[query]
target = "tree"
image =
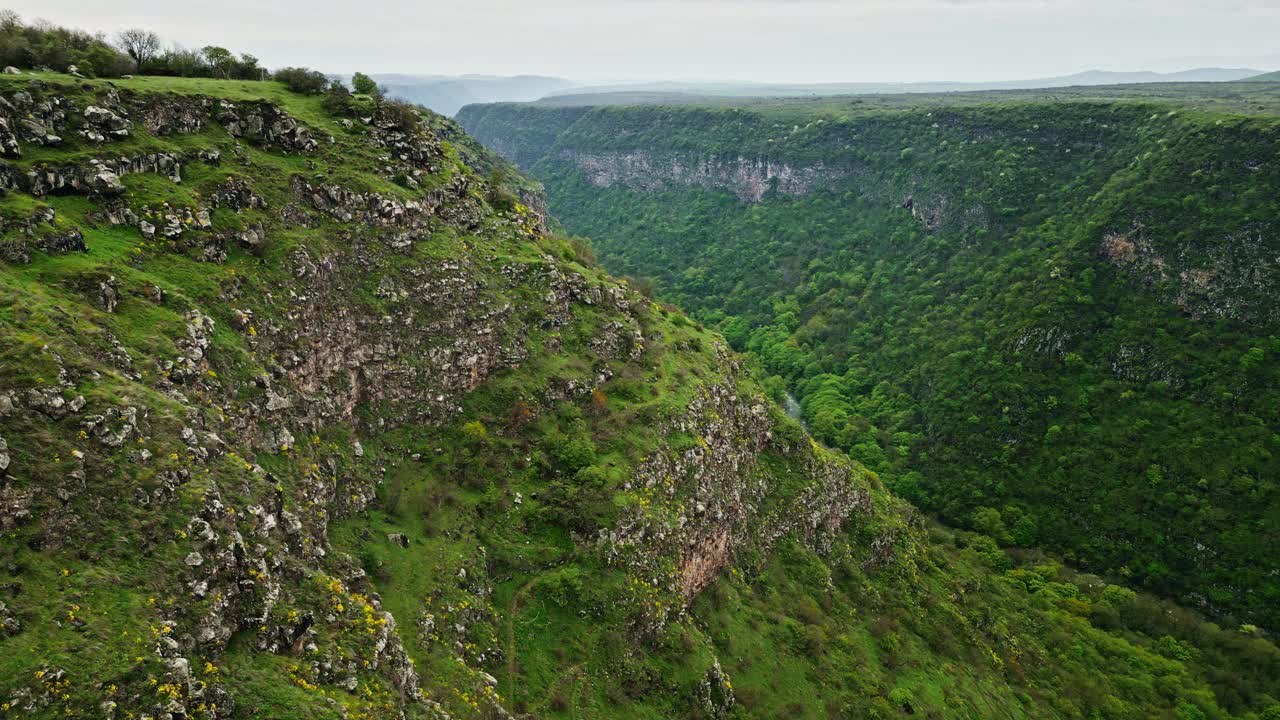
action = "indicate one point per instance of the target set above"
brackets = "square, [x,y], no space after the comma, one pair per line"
[365,85]
[141,45]
[220,59]
[248,69]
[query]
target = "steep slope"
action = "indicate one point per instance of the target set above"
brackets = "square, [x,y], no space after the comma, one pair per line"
[237,357]
[304,414]
[1051,321]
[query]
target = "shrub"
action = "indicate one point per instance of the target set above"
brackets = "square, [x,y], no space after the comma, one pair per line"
[337,99]
[1118,597]
[573,452]
[365,85]
[475,433]
[902,698]
[582,250]
[404,115]
[302,80]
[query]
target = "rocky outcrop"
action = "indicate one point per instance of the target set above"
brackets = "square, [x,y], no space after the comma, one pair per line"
[411,154]
[747,178]
[236,194]
[169,114]
[451,204]
[101,124]
[1236,275]
[39,233]
[95,177]
[705,503]
[265,124]
[30,119]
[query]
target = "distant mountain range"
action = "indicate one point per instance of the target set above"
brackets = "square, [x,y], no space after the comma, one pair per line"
[447,94]
[1089,77]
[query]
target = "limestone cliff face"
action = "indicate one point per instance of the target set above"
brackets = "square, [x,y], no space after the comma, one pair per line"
[1233,276]
[747,178]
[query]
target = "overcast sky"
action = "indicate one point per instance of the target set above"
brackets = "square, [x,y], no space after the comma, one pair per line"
[767,40]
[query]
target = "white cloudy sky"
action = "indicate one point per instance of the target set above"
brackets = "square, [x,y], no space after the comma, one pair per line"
[773,40]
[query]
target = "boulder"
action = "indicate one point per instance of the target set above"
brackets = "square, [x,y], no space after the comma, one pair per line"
[104,122]
[11,70]
[104,182]
[109,294]
[8,139]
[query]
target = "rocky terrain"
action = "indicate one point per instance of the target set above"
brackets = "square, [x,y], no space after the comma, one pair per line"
[208,363]
[747,178]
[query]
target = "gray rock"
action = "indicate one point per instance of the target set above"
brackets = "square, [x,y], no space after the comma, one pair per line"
[105,182]
[195,559]
[11,70]
[109,294]
[279,402]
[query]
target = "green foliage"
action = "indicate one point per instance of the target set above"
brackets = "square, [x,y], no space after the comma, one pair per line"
[302,80]
[954,304]
[51,46]
[43,45]
[365,85]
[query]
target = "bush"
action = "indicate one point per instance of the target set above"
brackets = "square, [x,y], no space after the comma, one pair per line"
[404,115]
[573,452]
[365,85]
[302,80]
[337,99]
[903,699]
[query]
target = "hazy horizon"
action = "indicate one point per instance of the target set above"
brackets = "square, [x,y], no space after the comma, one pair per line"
[774,41]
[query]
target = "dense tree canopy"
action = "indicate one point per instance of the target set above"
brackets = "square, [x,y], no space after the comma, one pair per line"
[1054,323]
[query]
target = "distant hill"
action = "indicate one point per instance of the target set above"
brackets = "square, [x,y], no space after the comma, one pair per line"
[1269,77]
[1243,97]
[447,94]
[1088,77]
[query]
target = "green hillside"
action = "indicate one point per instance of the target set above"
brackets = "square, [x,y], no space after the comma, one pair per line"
[1052,321]
[305,413]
